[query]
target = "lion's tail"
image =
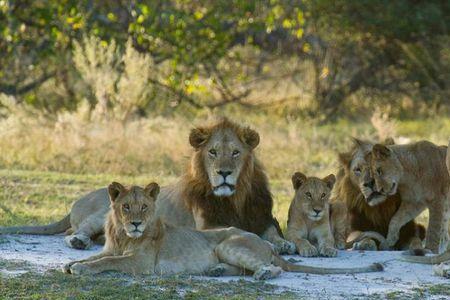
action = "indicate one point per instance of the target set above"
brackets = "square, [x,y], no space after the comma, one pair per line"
[53,228]
[429,260]
[287,266]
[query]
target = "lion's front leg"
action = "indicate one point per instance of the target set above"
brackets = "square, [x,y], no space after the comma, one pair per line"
[66,267]
[437,231]
[125,264]
[325,243]
[282,246]
[405,213]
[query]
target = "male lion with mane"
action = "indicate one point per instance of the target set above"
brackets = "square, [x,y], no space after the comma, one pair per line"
[369,210]
[139,242]
[225,185]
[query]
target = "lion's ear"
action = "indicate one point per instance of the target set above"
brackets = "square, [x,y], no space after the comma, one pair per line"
[381,151]
[298,179]
[198,137]
[152,190]
[360,144]
[345,159]
[389,141]
[114,190]
[330,180]
[250,137]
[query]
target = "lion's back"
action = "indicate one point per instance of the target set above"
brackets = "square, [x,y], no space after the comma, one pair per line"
[171,209]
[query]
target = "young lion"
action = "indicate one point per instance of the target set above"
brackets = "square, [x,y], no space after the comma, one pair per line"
[314,225]
[418,172]
[138,242]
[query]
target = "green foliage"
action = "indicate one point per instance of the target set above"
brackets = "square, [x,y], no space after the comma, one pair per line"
[208,54]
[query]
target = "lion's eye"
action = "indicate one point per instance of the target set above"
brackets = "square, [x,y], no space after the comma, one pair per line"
[144,207]
[308,194]
[323,195]
[126,207]
[236,153]
[379,171]
[212,152]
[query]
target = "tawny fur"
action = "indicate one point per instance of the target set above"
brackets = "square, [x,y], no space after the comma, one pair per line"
[316,233]
[138,242]
[418,173]
[83,225]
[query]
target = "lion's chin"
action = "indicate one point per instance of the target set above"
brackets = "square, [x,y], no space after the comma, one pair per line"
[315,217]
[375,198]
[224,191]
[134,234]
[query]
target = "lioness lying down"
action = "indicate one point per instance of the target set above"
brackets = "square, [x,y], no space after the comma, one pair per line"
[137,242]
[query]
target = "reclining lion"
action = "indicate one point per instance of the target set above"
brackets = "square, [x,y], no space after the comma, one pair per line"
[139,242]
[224,185]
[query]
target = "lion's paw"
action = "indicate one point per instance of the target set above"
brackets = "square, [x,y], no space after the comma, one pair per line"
[340,245]
[66,268]
[267,272]
[78,241]
[307,250]
[328,251]
[365,244]
[442,270]
[80,269]
[284,247]
[216,271]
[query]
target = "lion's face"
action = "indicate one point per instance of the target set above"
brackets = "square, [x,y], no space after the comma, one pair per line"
[224,151]
[386,169]
[357,165]
[134,207]
[313,194]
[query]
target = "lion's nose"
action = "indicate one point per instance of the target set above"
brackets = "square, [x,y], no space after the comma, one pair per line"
[224,173]
[136,224]
[368,184]
[317,211]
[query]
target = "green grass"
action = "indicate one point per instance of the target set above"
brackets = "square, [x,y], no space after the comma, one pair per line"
[37,197]
[56,285]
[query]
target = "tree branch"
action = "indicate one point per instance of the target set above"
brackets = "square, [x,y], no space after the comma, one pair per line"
[14,90]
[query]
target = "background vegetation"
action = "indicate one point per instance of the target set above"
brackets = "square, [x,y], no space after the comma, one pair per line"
[296,59]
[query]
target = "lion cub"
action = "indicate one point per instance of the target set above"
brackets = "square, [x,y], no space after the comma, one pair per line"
[315,225]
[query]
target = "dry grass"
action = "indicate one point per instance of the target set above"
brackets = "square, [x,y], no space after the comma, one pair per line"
[160,145]
[158,149]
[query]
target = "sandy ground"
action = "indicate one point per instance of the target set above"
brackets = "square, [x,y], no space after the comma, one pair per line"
[46,252]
